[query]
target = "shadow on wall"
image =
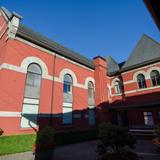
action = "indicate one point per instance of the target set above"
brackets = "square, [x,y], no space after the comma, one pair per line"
[70,127]
[81,120]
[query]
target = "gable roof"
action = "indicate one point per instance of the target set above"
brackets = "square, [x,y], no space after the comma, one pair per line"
[36,38]
[146,51]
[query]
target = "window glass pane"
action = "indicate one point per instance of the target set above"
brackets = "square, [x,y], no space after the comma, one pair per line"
[67,78]
[155,77]
[148,118]
[32,88]
[34,68]
[117,86]
[141,81]
[67,85]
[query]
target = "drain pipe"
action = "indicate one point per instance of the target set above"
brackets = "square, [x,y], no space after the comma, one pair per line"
[52,95]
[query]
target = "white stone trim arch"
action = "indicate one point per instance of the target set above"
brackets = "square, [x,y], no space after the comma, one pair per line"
[113,81]
[152,69]
[68,71]
[28,60]
[139,72]
[88,79]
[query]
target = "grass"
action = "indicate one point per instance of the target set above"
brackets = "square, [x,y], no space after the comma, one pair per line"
[16,144]
[23,143]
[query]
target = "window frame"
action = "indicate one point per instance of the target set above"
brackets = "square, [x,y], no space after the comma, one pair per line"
[33,86]
[117,87]
[141,82]
[155,78]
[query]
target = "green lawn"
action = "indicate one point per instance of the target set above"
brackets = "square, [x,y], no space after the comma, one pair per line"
[15,144]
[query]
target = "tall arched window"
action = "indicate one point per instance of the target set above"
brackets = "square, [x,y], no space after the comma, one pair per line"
[118,87]
[155,77]
[67,99]
[31,96]
[141,81]
[33,81]
[91,103]
[67,85]
[90,90]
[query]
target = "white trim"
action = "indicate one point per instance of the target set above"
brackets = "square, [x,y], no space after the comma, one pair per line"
[73,62]
[28,60]
[52,53]
[138,90]
[113,81]
[91,107]
[21,70]
[128,82]
[48,77]
[88,79]
[31,101]
[140,68]
[34,45]
[10,114]
[12,67]
[152,69]
[140,72]
[67,104]
[68,71]
[117,94]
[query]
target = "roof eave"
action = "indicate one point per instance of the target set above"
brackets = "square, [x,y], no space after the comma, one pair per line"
[42,44]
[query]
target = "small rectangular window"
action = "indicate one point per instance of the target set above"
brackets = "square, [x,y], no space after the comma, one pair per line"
[148,118]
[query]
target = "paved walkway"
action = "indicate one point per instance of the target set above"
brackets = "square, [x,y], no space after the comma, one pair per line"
[86,151]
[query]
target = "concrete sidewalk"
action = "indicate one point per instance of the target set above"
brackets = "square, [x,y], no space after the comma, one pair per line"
[86,151]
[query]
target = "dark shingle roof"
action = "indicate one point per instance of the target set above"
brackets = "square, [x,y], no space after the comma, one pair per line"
[112,66]
[30,35]
[146,51]
[37,38]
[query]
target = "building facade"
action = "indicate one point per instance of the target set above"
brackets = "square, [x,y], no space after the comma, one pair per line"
[44,83]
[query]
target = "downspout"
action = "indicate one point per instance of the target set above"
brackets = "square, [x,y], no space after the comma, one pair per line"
[52,96]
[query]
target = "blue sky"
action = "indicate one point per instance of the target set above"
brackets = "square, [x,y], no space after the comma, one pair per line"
[90,27]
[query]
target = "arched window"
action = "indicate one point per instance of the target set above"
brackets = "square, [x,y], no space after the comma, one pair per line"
[141,81]
[67,99]
[67,85]
[91,103]
[33,81]
[118,87]
[155,77]
[90,90]
[31,96]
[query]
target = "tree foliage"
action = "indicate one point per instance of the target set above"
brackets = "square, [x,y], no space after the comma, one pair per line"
[114,139]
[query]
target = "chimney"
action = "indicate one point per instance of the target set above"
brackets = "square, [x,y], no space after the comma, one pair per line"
[101,93]
[13,25]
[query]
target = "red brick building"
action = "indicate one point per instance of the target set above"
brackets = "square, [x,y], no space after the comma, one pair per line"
[44,83]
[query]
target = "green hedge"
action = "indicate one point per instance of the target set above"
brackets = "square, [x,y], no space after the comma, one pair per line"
[75,136]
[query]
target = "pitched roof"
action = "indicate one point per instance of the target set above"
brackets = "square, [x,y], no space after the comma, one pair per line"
[112,66]
[30,35]
[37,38]
[146,51]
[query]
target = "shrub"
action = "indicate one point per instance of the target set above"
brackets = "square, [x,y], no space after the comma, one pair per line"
[1,131]
[157,131]
[45,139]
[74,136]
[156,140]
[114,140]
[125,155]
